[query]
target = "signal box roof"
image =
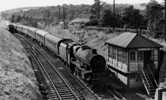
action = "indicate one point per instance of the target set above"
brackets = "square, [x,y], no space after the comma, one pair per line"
[132,40]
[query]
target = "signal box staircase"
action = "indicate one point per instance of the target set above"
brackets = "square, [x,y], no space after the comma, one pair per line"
[149,81]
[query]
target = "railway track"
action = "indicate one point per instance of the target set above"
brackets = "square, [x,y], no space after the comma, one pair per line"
[58,87]
[79,86]
[61,87]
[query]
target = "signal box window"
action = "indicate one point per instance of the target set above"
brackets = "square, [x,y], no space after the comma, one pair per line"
[132,56]
[140,56]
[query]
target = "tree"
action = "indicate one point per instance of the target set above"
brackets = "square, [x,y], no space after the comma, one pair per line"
[154,13]
[15,18]
[96,12]
[110,19]
[107,18]
[132,17]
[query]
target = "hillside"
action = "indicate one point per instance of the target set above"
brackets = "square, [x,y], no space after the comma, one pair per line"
[17,79]
[47,15]
[51,15]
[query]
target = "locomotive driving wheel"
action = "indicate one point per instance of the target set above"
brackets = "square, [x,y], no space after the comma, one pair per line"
[88,77]
[72,68]
[76,73]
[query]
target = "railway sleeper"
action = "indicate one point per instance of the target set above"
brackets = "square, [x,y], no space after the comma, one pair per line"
[70,98]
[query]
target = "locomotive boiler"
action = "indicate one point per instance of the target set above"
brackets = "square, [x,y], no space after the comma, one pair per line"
[87,62]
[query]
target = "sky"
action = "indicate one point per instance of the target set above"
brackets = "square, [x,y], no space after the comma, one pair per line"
[10,4]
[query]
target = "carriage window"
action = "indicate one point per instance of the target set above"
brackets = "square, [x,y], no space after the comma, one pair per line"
[132,56]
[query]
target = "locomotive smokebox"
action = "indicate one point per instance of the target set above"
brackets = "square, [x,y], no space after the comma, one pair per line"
[98,64]
[90,57]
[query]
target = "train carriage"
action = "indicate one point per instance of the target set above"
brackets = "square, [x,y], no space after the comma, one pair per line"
[19,27]
[24,29]
[51,42]
[40,36]
[11,27]
[31,32]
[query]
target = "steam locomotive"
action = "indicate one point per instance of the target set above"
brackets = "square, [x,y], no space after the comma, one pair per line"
[82,60]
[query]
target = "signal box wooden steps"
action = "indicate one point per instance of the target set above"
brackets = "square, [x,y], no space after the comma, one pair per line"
[149,82]
[162,73]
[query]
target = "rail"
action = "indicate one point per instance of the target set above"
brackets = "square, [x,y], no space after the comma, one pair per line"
[80,82]
[62,78]
[59,93]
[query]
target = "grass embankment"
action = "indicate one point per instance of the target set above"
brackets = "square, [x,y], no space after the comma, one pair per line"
[17,79]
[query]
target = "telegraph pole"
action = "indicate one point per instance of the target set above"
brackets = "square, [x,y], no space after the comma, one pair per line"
[64,17]
[59,13]
[114,7]
[165,15]
[114,13]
